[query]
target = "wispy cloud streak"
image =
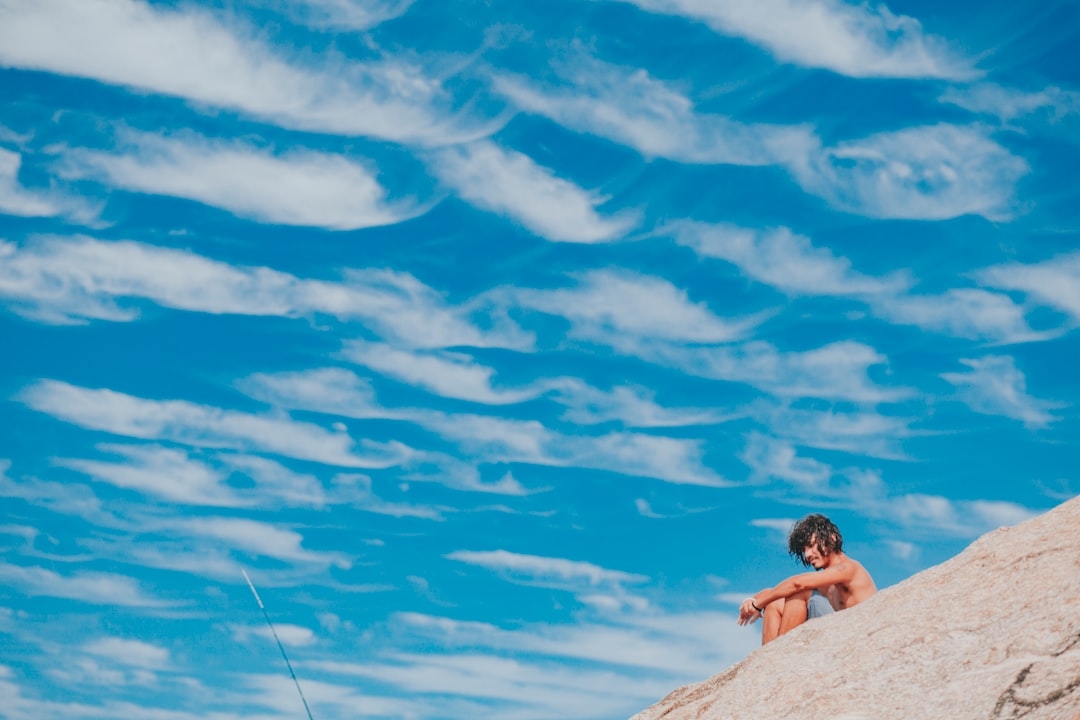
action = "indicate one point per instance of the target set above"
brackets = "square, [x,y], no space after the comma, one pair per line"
[294,188]
[785,260]
[448,374]
[510,183]
[793,265]
[193,55]
[535,568]
[1009,104]
[90,587]
[16,199]
[73,279]
[629,106]
[837,371]
[204,426]
[933,172]
[495,439]
[342,14]
[995,386]
[855,40]
[622,308]
[1054,283]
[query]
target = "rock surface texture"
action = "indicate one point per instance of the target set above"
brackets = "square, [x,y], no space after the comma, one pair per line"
[992,634]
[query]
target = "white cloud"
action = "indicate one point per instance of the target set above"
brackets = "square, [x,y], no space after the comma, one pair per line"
[509,183]
[444,373]
[195,702]
[457,375]
[269,692]
[204,426]
[188,53]
[631,406]
[995,513]
[779,526]
[291,635]
[340,392]
[493,439]
[624,309]
[15,199]
[66,498]
[502,440]
[175,476]
[645,510]
[292,188]
[544,571]
[862,432]
[522,688]
[937,515]
[275,482]
[629,107]
[217,547]
[865,492]
[1009,104]
[837,371]
[856,40]
[957,517]
[961,312]
[652,319]
[256,538]
[403,309]
[65,280]
[784,260]
[89,587]
[342,14]
[327,390]
[666,644]
[790,263]
[772,458]
[994,386]
[903,550]
[135,653]
[1054,283]
[166,473]
[356,490]
[925,173]
[72,279]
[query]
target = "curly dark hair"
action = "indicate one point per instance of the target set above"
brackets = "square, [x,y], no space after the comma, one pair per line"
[816,529]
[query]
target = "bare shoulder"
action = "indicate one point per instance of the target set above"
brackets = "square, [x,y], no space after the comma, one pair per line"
[861,585]
[862,570]
[856,578]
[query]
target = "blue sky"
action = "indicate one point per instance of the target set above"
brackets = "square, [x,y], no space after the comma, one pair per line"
[501,342]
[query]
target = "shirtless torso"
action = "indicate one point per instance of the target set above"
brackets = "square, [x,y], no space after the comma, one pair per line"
[857,586]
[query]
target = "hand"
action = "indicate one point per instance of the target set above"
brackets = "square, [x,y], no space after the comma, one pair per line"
[747,613]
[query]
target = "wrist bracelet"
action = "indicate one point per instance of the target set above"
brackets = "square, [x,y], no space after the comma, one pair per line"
[753,605]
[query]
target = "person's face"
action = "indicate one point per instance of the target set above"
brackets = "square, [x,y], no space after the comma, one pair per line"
[813,555]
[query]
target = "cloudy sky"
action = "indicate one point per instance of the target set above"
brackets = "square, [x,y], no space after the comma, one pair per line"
[500,342]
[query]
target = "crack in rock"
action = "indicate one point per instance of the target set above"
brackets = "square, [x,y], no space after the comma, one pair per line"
[1041,684]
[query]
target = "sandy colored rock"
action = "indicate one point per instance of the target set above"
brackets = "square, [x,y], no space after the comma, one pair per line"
[992,634]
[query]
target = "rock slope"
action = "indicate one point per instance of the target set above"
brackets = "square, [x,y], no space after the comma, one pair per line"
[992,634]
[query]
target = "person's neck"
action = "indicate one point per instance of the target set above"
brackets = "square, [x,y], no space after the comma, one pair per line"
[832,559]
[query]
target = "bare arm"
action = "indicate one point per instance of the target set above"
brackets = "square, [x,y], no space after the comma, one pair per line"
[838,574]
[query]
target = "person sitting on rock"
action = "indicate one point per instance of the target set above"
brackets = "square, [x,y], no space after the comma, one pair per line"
[838,582]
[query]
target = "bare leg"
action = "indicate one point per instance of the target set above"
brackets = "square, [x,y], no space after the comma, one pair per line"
[770,620]
[794,611]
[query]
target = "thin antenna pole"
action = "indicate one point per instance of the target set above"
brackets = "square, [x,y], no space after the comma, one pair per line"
[280,646]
